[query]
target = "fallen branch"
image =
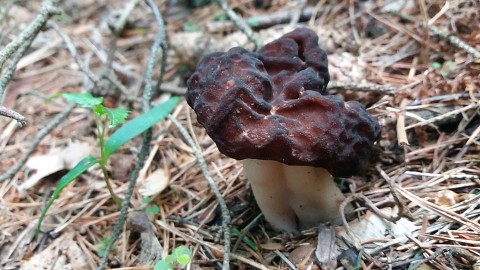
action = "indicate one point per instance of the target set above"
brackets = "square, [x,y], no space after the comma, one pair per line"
[456,41]
[22,121]
[241,24]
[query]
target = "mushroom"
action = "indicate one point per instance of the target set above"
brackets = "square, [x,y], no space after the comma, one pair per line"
[271,110]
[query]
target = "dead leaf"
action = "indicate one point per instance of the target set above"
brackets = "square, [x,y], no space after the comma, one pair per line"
[63,253]
[273,246]
[56,160]
[217,252]
[446,198]
[371,226]
[301,254]
[326,248]
[155,183]
[43,165]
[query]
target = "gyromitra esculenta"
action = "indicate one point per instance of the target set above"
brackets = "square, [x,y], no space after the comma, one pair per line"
[270,109]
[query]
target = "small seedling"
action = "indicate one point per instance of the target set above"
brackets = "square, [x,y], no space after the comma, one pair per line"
[151,208]
[445,69]
[190,26]
[253,22]
[104,118]
[220,17]
[102,246]
[180,256]
[110,118]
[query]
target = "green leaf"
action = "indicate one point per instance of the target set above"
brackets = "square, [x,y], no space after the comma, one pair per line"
[190,26]
[52,97]
[220,17]
[163,265]
[358,264]
[154,209]
[181,250]
[183,255]
[76,171]
[436,65]
[143,31]
[138,125]
[183,259]
[147,200]
[85,100]
[117,116]
[102,245]
[253,22]
[245,239]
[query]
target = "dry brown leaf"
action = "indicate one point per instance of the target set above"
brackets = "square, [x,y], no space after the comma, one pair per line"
[56,160]
[301,254]
[155,183]
[446,198]
[371,226]
[273,246]
[64,253]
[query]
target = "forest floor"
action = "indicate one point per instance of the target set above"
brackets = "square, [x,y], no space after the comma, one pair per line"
[415,65]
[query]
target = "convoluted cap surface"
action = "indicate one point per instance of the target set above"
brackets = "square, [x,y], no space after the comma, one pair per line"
[272,105]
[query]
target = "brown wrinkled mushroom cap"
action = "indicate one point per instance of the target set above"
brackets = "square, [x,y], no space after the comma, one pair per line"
[271,105]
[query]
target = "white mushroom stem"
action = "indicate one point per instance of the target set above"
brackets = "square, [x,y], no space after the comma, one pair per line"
[293,197]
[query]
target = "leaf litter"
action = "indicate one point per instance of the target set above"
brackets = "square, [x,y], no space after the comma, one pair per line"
[436,173]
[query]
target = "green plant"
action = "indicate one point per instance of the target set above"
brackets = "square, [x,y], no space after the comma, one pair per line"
[151,208]
[102,246]
[181,256]
[110,118]
[445,69]
[249,242]
[190,26]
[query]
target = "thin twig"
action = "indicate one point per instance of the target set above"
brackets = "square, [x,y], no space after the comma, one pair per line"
[417,261]
[455,41]
[40,135]
[241,24]
[223,206]
[7,9]
[73,51]
[452,176]
[445,115]
[159,42]
[369,205]
[443,98]
[285,259]
[446,35]
[125,92]
[22,121]
[7,75]
[368,87]
[295,15]
[47,10]
[116,30]
[401,132]
[402,209]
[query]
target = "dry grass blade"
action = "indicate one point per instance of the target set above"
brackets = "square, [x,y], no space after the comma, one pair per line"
[439,210]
